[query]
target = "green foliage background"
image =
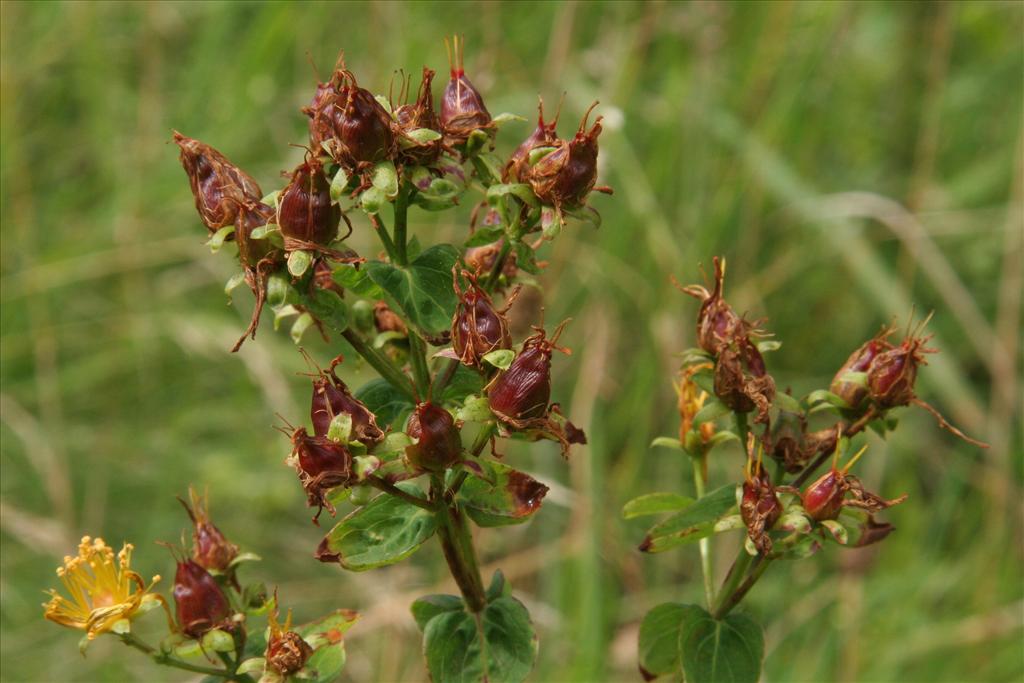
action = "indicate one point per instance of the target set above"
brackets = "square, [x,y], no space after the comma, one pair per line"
[850,159]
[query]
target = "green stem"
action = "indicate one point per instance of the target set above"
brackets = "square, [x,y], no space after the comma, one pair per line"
[378,362]
[401,221]
[457,544]
[389,488]
[732,582]
[483,172]
[444,376]
[418,361]
[705,543]
[482,438]
[165,659]
[385,238]
[739,592]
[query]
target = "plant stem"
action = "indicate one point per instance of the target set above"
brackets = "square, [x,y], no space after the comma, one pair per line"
[382,365]
[705,543]
[478,446]
[389,488]
[418,361]
[444,376]
[729,600]
[165,659]
[732,580]
[385,238]
[499,265]
[852,430]
[401,221]
[457,544]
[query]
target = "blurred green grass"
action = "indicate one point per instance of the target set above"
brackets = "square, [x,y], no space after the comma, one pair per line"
[850,159]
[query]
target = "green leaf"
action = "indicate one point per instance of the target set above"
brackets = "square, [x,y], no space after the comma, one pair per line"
[423,135]
[721,437]
[357,281]
[728,650]
[328,308]
[788,403]
[218,641]
[501,359]
[501,650]
[269,232]
[695,356]
[385,178]
[511,499]
[695,522]
[429,606]
[520,191]
[338,183]
[372,199]
[385,531]
[667,442]
[685,639]
[712,410]
[464,382]
[299,262]
[655,504]
[485,236]
[526,259]
[280,291]
[326,636]
[440,195]
[233,282]
[424,288]
[216,241]
[384,401]
[505,117]
[825,396]
[587,215]
[769,345]
[299,327]
[499,587]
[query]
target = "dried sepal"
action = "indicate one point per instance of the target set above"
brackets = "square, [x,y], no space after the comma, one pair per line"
[760,506]
[286,651]
[544,135]
[741,379]
[418,116]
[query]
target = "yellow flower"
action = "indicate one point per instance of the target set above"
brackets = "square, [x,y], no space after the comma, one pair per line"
[104,595]
[691,400]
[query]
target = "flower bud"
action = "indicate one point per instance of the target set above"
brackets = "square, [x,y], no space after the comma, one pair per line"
[322,465]
[305,213]
[217,185]
[438,442]
[854,393]
[462,107]
[331,397]
[478,328]
[286,651]
[565,176]
[210,549]
[522,392]
[542,136]
[760,507]
[199,601]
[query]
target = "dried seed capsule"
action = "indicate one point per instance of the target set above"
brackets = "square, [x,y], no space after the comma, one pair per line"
[217,185]
[565,176]
[210,548]
[364,128]
[305,213]
[741,379]
[322,465]
[760,507]
[893,372]
[478,328]
[852,392]
[717,323]
[825,498]
[386,320]
[522,392]
[462,108]
[542,136]
[331,397]
[788,448]
[252,215]
[481,259]
[286,651]
[199,601]
[438,442]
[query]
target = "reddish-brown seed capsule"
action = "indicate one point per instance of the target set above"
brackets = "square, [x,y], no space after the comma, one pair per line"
[331,397]
[252,215]
[760,508]
[893,372]
[199,601]
[286,651]
[364,129]
[219,187]
[565,176]
[420,115]
[210,548]
[717,323]
[852,392]
[322,465]
[478,328]
[523,391]
[825,498]
[462,108]
[543,135]
[741,379]
[438,442]
[305,213]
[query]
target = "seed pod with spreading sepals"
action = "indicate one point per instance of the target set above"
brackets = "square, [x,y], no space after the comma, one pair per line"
[217,185]
[363,133]
[543,135]
[893,372]
[322,465]
[478,328]
[741,380]
[717,323]
[760,507]
[199,601]
[286,651]
[852,392]
[564,177]
[331,397]
[462,108]
[824,498]
[417,116]
[210,548]
[438,443]
[305,213]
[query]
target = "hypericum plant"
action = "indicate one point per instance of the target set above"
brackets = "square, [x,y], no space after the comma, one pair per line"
[724,382]
[213,612]
[404,454]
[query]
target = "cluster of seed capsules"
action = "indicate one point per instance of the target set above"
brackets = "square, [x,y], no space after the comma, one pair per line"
[351,133]
[877,377]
